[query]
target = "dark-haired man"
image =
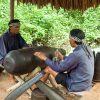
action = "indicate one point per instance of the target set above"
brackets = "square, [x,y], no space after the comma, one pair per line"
[79,64]
[11,40]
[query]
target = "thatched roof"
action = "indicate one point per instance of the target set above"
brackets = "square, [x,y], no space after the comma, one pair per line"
[66,4]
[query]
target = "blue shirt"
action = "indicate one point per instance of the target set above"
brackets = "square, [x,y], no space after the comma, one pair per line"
[13,42]
[79,67]
[2,50]
[9,43]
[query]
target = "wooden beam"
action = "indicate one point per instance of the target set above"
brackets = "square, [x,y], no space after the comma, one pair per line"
[11,9]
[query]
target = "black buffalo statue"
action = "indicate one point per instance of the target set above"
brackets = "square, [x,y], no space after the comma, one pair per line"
[23,61]
[96,77]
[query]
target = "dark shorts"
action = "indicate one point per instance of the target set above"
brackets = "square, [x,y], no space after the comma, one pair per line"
[1,69]
[61,79]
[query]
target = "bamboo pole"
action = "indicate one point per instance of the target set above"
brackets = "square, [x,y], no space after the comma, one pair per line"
[11,9]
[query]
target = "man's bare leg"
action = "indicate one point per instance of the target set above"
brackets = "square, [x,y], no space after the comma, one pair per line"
[43,79]
[0,75]
[50,71]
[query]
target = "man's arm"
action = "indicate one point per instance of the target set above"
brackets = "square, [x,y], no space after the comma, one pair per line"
[67,64]
[22,42]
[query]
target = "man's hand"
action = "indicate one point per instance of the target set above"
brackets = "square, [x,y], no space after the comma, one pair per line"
[40,55]
[59,55]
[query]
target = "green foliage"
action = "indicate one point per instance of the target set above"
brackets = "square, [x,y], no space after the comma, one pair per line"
[4,15]
[92,24]
[51,26]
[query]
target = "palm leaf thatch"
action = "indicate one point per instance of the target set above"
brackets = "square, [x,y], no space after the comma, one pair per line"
[66,4]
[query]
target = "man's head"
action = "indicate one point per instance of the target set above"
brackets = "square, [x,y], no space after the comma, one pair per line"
[76,37]
[14,26]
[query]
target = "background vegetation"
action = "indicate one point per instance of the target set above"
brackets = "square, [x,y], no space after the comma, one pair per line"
[51,26]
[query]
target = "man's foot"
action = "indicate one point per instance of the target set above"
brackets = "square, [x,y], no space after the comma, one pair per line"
[34,87]
[12,79]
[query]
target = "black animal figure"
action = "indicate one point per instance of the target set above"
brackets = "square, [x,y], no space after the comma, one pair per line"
[96,77]
[23,61]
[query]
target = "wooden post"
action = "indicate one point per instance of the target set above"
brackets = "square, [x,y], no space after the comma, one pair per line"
[11,9]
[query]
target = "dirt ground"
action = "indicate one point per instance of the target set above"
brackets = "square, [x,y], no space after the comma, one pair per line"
[5,84]
[93,94]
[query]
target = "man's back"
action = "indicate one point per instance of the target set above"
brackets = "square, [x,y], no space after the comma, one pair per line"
[80,78]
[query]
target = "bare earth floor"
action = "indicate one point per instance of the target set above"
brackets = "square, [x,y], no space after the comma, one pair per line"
[93,94]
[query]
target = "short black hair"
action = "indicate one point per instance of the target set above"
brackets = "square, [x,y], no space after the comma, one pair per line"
[13,21]
[77,33]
